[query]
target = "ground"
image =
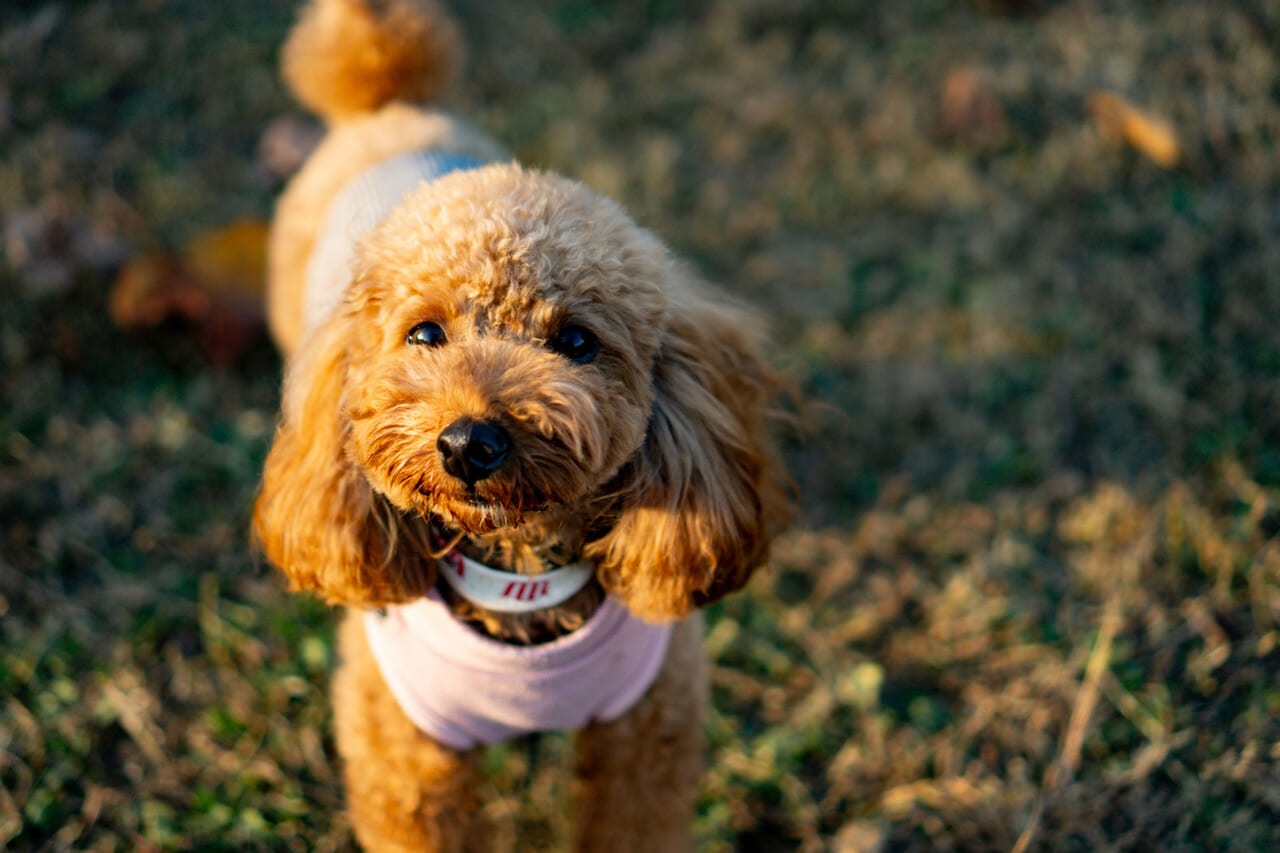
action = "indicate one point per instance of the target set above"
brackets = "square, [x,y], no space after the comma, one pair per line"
[1031,597]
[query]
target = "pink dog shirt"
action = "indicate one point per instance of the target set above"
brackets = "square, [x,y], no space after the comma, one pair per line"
[464,689]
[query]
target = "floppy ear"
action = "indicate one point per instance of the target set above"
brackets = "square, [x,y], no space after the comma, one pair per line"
[701,498]
[317,517]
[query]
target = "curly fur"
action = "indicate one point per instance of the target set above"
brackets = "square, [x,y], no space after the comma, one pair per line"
[348,57]
[652,460]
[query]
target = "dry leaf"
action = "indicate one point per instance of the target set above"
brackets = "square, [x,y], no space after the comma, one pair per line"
[971,112]
[285,144]
[152,288]
[1122,123]
[50,243]
[230,260]
[216,285]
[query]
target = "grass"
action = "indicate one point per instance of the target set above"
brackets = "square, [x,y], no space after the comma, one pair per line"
[1032,600]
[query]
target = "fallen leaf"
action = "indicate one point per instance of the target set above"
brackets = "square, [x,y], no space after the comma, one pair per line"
[216,285]
[50,243]
[230,259]
[1121,123]
[970,110]
[285,144]
[152,288]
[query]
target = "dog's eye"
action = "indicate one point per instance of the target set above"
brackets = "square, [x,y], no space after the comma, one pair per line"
[426,334]
[575,343]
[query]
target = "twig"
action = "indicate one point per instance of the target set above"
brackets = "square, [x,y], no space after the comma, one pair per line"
[1068,761]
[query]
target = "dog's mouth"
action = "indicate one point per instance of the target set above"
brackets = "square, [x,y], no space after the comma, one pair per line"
[475,512]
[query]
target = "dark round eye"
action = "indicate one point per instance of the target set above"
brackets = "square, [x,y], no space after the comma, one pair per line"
[426,334]
[575,343]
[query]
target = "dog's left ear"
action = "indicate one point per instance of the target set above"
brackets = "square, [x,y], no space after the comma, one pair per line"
[701,499]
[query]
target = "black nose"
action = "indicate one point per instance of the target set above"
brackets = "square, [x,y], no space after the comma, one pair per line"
[472,450]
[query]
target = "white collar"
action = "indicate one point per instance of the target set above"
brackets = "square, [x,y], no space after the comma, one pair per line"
[508,592]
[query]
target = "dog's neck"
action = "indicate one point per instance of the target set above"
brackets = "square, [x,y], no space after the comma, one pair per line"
[531,551]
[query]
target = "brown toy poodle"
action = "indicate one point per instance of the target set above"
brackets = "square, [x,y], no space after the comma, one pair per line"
[519,440]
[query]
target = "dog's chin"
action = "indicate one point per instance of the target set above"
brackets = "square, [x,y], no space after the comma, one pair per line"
[476,517]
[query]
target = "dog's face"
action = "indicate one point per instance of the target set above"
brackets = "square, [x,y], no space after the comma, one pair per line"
[513,348]
[503,336]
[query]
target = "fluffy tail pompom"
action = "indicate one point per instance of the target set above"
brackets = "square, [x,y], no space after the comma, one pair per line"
[348,57]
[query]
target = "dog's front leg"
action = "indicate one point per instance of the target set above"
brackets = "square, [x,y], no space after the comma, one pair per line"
[638,775]
[405,791]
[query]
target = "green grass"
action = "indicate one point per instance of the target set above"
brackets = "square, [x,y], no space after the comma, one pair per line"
[1034,587]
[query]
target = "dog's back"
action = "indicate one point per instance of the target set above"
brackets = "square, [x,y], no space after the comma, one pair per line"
[367,68]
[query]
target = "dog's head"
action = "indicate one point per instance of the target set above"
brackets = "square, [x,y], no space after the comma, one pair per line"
[513,347]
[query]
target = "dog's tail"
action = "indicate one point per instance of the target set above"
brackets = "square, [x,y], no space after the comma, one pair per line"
[345,58]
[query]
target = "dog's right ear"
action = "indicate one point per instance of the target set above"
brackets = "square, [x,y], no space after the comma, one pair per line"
[317,517]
